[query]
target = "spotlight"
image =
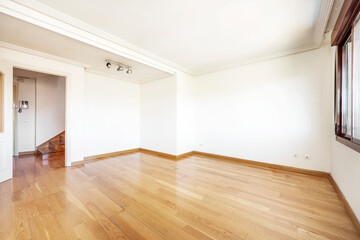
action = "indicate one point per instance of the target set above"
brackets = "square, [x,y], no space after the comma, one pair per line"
[119,66]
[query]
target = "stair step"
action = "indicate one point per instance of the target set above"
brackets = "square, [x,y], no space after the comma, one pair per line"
[45,150]
[52,147]
[52,155]
[57,142]
[57,146]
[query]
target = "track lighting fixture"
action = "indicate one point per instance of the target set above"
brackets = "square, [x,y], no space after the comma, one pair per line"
[120,66]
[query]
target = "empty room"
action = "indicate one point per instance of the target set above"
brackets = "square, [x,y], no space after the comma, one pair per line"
[189,119]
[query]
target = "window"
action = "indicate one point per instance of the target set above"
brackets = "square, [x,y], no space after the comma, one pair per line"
[356,82]
[346,88]
[347,105]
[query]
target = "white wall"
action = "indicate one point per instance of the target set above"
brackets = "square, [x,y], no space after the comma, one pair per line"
[185,114]
[50,107]
[269,110]
[346,172]
[112,113]
[26,119]
[158,115]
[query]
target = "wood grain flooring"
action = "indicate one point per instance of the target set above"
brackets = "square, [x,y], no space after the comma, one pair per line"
[140,196]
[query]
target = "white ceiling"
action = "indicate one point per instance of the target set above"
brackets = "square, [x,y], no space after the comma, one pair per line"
[205,35]
[24,34]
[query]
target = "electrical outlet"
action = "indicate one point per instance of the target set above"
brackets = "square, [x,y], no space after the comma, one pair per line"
[295,155]
[307,157]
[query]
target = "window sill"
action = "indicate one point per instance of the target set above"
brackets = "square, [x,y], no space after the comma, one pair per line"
[348,143]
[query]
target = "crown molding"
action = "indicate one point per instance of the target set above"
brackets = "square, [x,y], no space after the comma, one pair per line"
[257,60]
[322,20]
[42,54]
[51,19]
[36,13]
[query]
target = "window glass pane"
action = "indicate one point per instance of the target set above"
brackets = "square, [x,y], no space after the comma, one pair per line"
[346,89]
[356,81]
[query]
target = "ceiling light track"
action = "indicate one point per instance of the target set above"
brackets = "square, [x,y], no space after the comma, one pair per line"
[120,66]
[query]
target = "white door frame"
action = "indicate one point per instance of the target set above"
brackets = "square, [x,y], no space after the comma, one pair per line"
[15,124]
[67,92]
[74,97]
[6,141]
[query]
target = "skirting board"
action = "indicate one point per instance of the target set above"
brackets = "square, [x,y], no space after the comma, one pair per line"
[104,156]
[109,155]
[160,154]
[77,163]
[347,206]
[264,165]
[26,153]
[188,154]
[166,155]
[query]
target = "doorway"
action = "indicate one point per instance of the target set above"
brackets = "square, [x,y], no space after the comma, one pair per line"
[38,114]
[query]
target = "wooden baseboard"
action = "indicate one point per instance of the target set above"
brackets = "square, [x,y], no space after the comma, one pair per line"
[109,155]
[166,155]
[159,154]
[26,153]
[264,165]
[185,155]
[216,156]
[77,163]
[239,160]
[104,156]
[347,206]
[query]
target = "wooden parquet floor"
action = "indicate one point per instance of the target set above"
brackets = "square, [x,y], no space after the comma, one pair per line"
[140,196]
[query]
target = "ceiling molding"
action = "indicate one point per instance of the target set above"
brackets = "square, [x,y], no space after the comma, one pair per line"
[42,54]
[260,59]
[51,19]
[322,20]
[28,10]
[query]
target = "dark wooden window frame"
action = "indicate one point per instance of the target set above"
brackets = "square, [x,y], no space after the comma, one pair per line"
[344,28]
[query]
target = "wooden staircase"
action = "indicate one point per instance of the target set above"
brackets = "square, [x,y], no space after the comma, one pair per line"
[53,147]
